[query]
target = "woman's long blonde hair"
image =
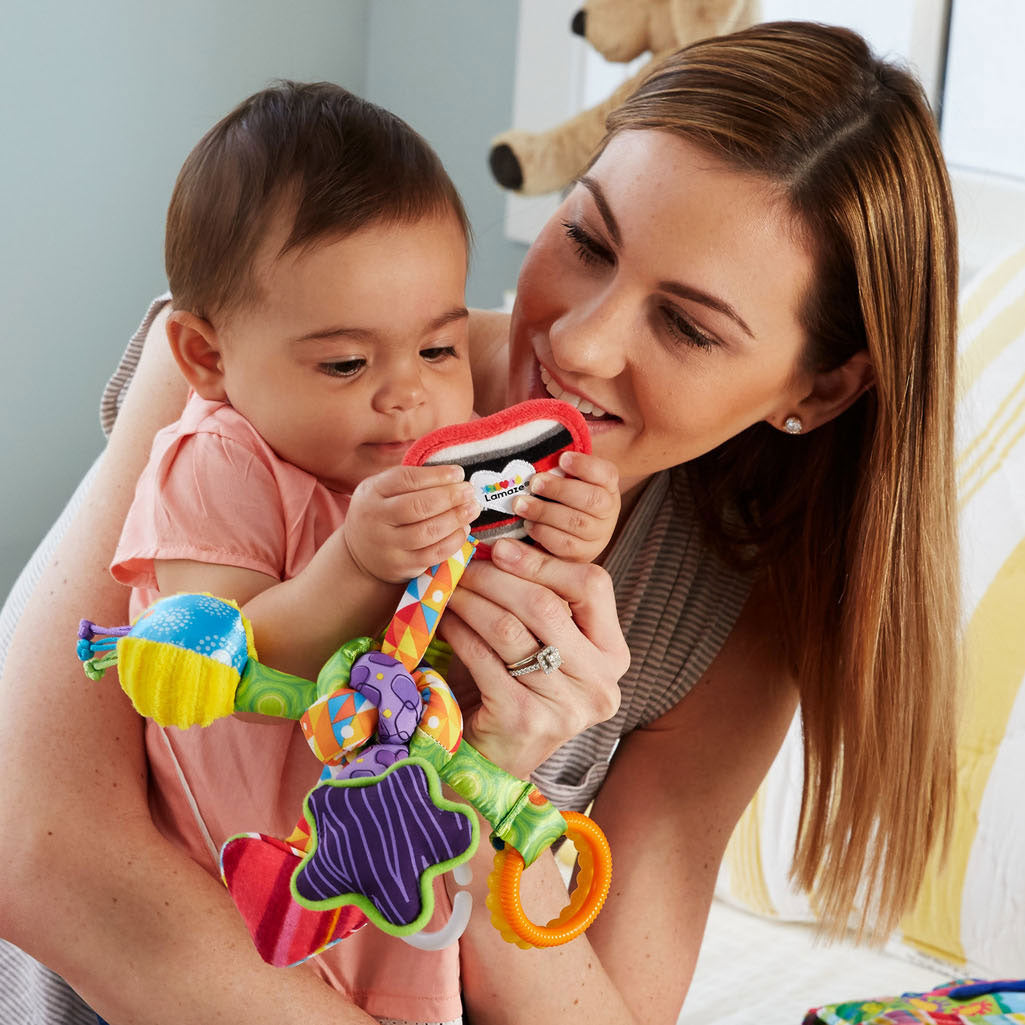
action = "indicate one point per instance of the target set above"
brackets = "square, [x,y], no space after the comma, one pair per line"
[854,523]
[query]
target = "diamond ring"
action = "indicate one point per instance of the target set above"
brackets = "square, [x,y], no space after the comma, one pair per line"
[547,659]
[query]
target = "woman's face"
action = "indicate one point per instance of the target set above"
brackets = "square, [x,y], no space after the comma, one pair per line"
[662,299]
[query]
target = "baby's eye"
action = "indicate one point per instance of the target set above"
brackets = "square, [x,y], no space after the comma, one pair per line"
[342,367]
[437,353]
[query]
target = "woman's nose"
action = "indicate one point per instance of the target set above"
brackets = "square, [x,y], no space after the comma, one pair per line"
[593,338]
[400,391]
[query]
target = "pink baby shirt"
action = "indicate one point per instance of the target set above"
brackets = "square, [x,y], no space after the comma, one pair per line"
[214,491]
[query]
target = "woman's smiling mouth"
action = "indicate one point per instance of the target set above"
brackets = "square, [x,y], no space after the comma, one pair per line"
[584,406]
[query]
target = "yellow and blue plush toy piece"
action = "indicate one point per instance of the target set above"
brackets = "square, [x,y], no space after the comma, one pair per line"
[190,659]
[180,662]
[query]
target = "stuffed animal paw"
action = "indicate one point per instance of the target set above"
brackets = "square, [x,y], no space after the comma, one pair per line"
[535,163]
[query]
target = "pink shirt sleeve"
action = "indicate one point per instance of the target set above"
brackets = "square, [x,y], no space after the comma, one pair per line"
[207,498]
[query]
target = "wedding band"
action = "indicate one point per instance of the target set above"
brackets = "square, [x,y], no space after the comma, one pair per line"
[546,659]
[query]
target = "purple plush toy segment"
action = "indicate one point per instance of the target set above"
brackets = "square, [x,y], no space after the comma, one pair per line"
[385,682]
[379,840]
[371,761]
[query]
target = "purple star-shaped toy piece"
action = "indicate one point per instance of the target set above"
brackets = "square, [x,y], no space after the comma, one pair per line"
[378,843]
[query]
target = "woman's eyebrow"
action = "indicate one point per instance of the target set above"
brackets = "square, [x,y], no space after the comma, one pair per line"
[603,207]
[711,301]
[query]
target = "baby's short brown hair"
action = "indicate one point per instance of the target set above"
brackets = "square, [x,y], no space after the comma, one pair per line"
[338,161]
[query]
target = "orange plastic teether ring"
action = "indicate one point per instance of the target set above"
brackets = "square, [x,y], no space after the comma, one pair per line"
[594,876]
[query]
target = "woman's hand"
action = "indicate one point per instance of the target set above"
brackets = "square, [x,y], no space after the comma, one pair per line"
[504,611]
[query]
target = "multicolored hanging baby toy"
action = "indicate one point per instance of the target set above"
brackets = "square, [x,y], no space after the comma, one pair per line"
[375,830]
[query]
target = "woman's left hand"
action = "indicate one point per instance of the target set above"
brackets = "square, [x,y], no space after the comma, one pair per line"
[506,610]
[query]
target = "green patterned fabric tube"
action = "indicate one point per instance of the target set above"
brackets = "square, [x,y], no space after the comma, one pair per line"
[267,691]
[338,667]
[520,815]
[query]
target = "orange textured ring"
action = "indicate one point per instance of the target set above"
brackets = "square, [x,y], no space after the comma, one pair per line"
[594,876]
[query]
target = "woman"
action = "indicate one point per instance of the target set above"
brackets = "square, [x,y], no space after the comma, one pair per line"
[752,288]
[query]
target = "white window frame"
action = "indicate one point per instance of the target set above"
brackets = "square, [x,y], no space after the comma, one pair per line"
[558,74]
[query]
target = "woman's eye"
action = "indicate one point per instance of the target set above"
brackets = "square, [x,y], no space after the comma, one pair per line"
[684,330]
[437,353]
[589,249]
[342,367]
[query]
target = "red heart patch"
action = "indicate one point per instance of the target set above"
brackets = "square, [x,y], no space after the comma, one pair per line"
[257,870]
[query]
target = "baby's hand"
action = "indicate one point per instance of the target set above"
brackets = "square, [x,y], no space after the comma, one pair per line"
[407,518]
[578,523]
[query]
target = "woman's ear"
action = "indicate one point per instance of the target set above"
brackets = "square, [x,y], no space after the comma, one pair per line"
[197,352]
[831,393]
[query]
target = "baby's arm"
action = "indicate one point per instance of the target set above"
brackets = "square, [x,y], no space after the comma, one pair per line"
[399,522]
[578,521]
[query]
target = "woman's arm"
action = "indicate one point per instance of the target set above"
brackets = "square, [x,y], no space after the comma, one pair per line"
[673,794]
[679,786]
[90,887]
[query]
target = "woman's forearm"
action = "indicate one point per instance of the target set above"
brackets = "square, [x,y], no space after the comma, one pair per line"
[506,985]
[521,599]
[91,889]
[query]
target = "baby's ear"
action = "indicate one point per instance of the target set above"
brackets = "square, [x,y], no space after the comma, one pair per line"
[196,350]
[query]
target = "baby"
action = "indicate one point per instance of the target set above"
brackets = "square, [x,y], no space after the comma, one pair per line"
[316,252]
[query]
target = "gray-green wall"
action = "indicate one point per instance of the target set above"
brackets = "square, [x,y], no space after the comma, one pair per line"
[447,67]
[100,102]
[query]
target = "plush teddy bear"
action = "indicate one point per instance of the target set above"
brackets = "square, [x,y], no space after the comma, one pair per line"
[534,163]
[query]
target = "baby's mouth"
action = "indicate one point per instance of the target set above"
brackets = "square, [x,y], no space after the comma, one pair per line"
[587,408]
[390,445]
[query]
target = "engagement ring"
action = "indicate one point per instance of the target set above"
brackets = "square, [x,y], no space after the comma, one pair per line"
[547,660]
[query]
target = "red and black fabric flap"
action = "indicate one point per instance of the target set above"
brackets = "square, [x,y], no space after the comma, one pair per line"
[500,453]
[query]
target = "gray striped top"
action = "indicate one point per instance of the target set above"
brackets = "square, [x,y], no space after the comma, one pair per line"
[677,602]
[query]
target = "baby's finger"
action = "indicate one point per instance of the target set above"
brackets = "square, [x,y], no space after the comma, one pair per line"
[398,480]
[439,551]
[426,533]
[420,507]
[593,469]
[558,542]
[592,499]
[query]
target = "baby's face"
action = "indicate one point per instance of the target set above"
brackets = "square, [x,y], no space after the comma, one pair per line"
[356,348]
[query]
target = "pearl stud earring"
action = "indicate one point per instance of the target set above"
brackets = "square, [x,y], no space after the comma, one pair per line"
[793,425]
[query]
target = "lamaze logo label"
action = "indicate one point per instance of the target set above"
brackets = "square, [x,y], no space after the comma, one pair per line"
[496,491]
